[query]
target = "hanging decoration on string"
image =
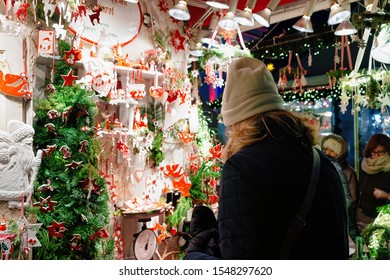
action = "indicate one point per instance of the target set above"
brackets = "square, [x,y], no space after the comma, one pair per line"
[15,85]
[177,40]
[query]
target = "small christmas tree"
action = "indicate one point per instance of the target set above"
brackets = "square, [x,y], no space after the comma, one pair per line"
[70,197]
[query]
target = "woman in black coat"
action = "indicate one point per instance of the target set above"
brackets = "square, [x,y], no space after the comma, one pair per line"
[266,175]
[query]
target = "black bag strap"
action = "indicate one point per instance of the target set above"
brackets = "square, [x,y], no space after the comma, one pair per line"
[299,221]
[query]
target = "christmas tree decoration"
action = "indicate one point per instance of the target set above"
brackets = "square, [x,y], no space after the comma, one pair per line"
[177,40]
[45,204]
[173,171]
[28,232]
[182,186]
[69,79]
[161,232]
[163,6]
[66,153]
[14,85]
[75,242]
[56,229]
[72,56]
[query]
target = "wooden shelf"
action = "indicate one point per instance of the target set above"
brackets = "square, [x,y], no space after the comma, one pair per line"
[46,59]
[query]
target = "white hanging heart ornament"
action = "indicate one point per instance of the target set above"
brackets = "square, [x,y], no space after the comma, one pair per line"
[138,174]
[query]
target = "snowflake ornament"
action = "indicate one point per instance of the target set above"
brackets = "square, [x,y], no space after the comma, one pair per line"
[219,82]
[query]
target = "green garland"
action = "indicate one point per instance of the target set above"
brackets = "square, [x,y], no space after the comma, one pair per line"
[377,235]
[156,154]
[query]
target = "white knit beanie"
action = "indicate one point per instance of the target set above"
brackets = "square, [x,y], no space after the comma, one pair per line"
[250,90]
[333,145]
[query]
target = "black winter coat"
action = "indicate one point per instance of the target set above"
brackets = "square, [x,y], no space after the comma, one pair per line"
[262,188]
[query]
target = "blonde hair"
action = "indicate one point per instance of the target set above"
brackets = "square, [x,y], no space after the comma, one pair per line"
[276,124]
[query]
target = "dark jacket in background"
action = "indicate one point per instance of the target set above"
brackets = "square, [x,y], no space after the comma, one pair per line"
[368,203]
[262,188]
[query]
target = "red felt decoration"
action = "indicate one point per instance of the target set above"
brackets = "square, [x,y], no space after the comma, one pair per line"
[72,56]
[182,186]
[56,229]
[74,164]
[163,5]
[68,79]
[14,85]
[177,41]
[45,204]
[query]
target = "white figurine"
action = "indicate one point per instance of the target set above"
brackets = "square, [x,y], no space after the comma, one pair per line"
[18,165]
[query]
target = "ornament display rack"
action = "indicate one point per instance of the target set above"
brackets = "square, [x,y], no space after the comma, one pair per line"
[45,59]
[118,167]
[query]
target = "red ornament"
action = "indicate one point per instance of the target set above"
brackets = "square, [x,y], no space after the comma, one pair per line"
[174,170]
[177,41]
[72,56]
[163,232]
[21,13]
[182,186]
[102,233]
[45,204]
[45,187]
[12,84]
[68,79]
[74,164]
[49,149]
[66,153]
[163,5]
[56,229]
[216,151]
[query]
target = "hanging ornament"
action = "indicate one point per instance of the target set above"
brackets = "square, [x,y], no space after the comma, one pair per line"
[174,170]
[51,128]
[72,56]
[48,150]
[66,153]
[69,78]
[161,232]
[83,146]
[216,151]
[336,59]
[14,85]
[56,229]
[53,114]
[45,187]
[21,13]
[182,186]
[177,41]
[96,10]
[28,238]
[74,164]
[101,233]
[45,204]
[75,242]
[48,9]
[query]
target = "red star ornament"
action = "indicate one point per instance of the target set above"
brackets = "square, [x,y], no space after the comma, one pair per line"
[177,41]
[45,204]
[163,5]
[72,56]
[74,164]
[182,186]
[68,79]
[56,229]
